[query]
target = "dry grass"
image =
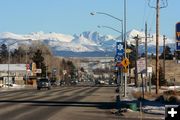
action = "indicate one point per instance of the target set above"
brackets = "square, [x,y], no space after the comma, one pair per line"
[147,95]
[172,92]
[172,69]
[167,96]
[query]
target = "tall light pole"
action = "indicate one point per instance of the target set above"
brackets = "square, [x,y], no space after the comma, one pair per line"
[164,56]
[121,75]
[94,13]
[123,38]
[103,26]
[125,79]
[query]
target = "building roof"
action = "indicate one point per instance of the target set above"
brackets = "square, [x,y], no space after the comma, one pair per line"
[13,67]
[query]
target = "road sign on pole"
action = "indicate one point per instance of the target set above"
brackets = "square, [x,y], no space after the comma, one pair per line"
[125,62]
[38,71]
[128,51]
[119,51]
[178,31]
[178,36]
[177,46]
[141,65]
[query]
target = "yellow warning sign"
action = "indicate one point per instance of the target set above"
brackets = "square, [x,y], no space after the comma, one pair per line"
[125,62]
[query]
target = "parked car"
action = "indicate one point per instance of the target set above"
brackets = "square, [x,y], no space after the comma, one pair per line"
[43,83]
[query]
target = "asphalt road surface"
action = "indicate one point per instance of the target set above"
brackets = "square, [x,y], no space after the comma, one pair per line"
[59,103]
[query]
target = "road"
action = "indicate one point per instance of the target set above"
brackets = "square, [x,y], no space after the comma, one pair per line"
[59,103]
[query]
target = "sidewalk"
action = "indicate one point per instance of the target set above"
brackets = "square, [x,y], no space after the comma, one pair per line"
[136,114]
[16,87]
[151,109]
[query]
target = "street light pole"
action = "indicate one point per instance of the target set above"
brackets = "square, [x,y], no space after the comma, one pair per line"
[93,13]
[109,28]
[164,55]
[8,65]
[123,37]
[119,76]
[9,56]
[125,79]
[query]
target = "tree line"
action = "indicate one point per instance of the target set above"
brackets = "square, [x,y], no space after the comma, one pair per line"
[41,55]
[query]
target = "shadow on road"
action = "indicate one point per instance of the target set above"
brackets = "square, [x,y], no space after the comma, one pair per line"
[100,105]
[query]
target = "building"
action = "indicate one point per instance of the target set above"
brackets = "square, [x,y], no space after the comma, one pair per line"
[16,74]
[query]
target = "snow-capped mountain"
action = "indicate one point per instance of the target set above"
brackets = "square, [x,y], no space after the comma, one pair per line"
[85,43]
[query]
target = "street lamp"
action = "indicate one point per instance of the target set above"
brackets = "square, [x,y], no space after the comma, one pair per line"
[121,75]
[103,26]
[109,28]
[123,37]
[94,13]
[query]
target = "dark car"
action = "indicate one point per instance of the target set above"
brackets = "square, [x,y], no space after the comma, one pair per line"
[43,83]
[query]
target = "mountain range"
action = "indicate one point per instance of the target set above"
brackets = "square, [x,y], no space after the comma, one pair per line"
[87,44]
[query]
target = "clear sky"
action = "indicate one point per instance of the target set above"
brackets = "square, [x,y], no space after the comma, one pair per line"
[73,16]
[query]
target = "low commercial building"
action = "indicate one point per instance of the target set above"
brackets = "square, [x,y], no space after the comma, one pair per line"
[16,74]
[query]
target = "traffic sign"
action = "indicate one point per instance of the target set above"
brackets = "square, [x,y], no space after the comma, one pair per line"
[27,66]
[119,49]
[118,58]
[119,64]
[38,71]
[149,69]
[141,65]
[128,51]
[178,32]
[178,46]
[125,62]
[178,36]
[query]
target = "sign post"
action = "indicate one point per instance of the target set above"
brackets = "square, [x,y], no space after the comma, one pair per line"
[118,58]
[141,65]
[141,68]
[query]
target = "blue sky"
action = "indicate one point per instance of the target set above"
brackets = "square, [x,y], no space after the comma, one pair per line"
[72,16]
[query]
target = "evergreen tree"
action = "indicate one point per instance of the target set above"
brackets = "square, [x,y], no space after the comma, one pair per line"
[39,60]
[72,69]
[168,54]
[162,80]
[3,53]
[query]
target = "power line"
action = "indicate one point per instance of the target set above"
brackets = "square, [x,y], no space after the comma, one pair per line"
[163,5]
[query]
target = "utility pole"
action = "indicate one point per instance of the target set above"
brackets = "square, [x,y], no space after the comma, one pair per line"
[146,56]
[157,46]
[158,7]
[136,58]
[26,69]
[164,55]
